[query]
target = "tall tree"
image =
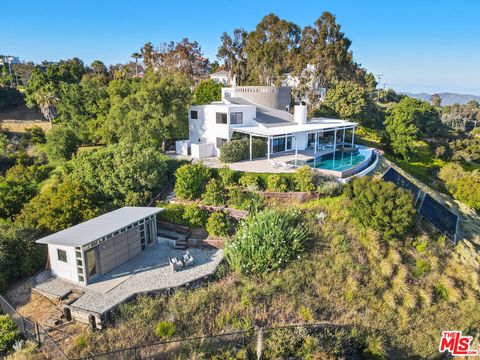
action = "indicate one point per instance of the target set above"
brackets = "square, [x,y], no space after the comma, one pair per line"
[98,67]
[206,92]
[232,52]
[136,56]
[326,48]
[436,100]
[271,49]
[46,100]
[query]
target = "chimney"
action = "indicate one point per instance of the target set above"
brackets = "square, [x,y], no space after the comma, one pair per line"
[300,114]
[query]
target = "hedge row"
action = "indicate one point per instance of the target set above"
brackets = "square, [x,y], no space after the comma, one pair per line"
[237,150]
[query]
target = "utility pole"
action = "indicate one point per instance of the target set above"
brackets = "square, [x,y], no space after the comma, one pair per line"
[379,77]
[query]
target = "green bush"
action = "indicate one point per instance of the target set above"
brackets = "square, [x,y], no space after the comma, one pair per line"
[214,193]
[165,329]
[236,150]
[9,333]
[330,188]
[61,144]
[266,241]
[276,183]
[304,178]
[381,205]
[250,181]
[243,200]
[227,176]
[173,213]
[191,180]
[195,216]
[218,224]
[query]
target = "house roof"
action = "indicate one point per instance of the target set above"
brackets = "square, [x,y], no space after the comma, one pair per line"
[311,126]
[268,117]
[98,227]
[220,73]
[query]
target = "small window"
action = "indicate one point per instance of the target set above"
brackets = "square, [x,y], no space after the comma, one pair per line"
[220,142]
[79,262]
[80,278]
[236,118]
[62,255]
[221,118]
[194,114]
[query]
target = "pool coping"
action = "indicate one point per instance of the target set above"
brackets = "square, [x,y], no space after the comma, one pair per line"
[348,172]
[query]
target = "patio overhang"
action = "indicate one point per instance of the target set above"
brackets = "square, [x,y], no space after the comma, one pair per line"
[316,125]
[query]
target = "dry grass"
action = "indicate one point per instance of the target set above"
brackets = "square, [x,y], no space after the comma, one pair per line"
[21,126]
[347,279]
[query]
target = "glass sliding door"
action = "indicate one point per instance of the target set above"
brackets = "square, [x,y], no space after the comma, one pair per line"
[289,143]
[278,145]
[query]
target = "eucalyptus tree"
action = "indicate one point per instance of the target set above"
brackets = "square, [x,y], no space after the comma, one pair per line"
[271,49]
[232,52]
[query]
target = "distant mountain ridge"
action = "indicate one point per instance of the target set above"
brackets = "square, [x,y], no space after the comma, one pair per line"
[447,98]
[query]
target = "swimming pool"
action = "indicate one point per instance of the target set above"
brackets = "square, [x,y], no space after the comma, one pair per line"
[339,160]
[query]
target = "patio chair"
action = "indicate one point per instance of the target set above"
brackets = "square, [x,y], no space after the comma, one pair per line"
[187,259]
[176,264]
[287,166]
[275,164]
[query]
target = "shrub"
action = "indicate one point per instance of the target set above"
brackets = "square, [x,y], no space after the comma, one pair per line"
[304,179]
[173,213]
[214,193]
[236,150]
[227,176]
[165,329]
[250,181]
[191,180]
[381,205]
[9,333]
[35,135]
[218,224]
[243,200]
[330,188]
[61,144]
[277,183]
[266,241]
[195,216]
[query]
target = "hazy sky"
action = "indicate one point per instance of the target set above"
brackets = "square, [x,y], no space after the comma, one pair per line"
[418,45]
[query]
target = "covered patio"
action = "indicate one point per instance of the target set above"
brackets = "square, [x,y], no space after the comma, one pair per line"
[317,137]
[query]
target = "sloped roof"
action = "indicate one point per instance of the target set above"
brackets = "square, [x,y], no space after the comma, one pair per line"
[98,227]
[266,116]
[220,73]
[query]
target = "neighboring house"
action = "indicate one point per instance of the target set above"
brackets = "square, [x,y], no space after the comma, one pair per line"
[259,111]
[221,77]
[85,251]
[9,59]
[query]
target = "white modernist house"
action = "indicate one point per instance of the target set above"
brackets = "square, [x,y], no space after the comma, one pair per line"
[90,249]
[264,112]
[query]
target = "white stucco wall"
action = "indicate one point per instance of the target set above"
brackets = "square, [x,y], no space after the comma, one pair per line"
[66,270]
[205,129]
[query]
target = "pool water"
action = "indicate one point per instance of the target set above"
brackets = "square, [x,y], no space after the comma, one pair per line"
[338,160]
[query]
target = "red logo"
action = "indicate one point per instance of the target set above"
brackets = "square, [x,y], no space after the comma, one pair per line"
[456,344]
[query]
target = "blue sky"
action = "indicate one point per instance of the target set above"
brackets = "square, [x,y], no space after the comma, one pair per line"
[418,45]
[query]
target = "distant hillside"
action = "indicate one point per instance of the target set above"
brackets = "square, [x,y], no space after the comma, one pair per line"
[447,98]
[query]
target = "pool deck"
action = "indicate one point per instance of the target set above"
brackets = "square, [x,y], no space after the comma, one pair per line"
[262,165]
[148,272]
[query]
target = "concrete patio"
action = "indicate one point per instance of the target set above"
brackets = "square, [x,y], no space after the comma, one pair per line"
[262,164]
[146,273]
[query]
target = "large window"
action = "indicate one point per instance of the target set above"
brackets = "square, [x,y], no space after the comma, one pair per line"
[62,255]
[194,114]
[236,118]
[221,118]
[283,143]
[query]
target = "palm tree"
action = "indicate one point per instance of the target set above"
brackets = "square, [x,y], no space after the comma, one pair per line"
[97,66]
[47,100]
[136,56]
